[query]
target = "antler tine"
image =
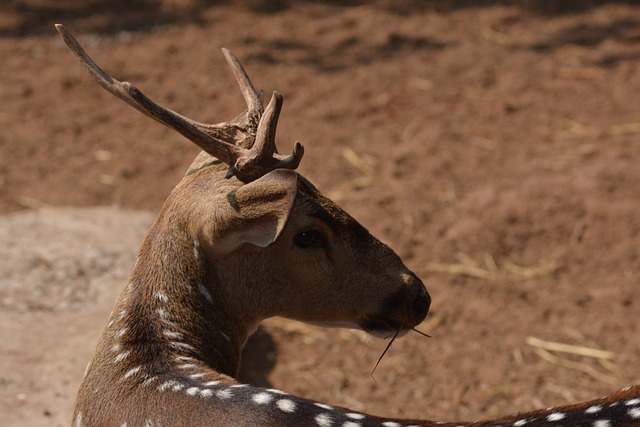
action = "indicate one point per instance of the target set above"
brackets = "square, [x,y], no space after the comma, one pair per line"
[251,97]
[134,97]
[265,144]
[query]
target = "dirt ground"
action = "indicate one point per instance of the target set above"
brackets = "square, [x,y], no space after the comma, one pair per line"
[496,148]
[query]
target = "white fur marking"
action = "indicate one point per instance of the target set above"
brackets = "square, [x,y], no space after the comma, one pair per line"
[206,393]
[119,358]
[355,416]
[224,394]
[171,334]
[120,333]
[634,413]
[520,423]
[351,424]
[182,345]
[391,424]
[149,381]
[275,390]
[262,398]
[187,366]
[196,248]
[196,375]
[632,402]
[602,423]
[205,292]
[161,297]
[556,416]
[132,372]
[593,409]
[78,420]
[211,383]
[192,391]
[286,405]
[167,384]
[177,387]
[324,406]
[324,420]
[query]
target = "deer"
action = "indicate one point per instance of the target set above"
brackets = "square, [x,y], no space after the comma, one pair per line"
[241,238]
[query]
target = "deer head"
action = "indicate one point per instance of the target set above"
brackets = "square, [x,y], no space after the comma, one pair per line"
[264,238]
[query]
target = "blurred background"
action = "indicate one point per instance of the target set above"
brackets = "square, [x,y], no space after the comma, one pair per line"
[494,145]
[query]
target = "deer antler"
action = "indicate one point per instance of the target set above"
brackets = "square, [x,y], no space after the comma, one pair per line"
[255,128]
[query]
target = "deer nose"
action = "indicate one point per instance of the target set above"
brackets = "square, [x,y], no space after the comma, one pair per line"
[421,305]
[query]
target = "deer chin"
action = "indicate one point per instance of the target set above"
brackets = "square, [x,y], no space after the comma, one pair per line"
[380,327]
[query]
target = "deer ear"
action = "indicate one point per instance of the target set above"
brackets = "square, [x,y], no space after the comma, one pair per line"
[254,213]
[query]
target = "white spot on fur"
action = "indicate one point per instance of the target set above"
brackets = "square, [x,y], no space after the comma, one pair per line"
[196,375]
[205,292]
[149,380]
[124,424]
[192,391]
[226,337]
[556,416]
[324,406]
[206,393]
[351,424]
[196,248]
[166,385]
[634,413]
[224,394]
[520,423]
[262,398]
[172,334]
[324,420]
[120,333]
[177,387]
[181,345]
[161,297]
[632,402]
[119,358]
[187,366]
[78,422]
[355,416]
[593,409]
[286,405]
[239,386]
[602,423]
[211,383]
[131,372]
[390,424]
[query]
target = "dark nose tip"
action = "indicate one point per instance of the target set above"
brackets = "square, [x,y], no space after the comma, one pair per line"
[421,305]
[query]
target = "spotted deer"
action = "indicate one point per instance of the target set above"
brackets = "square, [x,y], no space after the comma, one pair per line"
[244,237]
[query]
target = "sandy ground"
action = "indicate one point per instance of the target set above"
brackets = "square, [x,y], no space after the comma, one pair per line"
[496,148]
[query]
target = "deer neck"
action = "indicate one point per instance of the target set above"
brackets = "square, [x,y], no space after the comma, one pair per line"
[178,307]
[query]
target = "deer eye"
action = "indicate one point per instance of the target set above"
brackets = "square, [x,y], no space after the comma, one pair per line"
[308,239]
